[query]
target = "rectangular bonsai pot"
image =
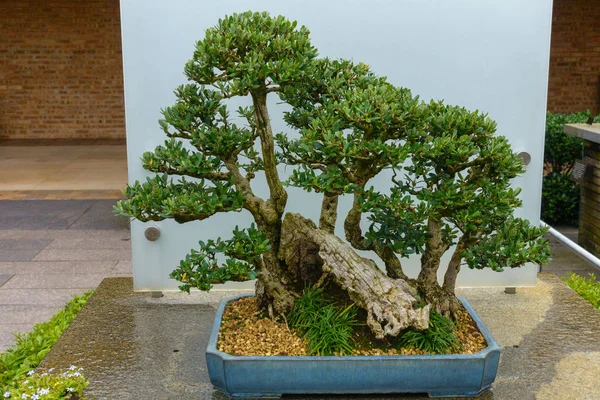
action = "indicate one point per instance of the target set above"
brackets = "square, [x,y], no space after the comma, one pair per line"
[272,376]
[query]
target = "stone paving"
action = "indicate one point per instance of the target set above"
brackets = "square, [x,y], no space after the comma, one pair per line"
[52,250]
[134,346]
[564,260]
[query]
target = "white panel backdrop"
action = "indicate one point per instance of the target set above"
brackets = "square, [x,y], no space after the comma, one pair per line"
[490,55]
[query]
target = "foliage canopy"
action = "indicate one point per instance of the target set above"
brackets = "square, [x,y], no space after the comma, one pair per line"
[450,185]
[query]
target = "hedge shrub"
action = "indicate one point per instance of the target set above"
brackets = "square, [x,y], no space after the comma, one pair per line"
[560,195]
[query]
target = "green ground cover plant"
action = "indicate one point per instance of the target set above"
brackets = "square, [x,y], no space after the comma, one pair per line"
[588,288]
[51,385]
[560,195]
[31,348]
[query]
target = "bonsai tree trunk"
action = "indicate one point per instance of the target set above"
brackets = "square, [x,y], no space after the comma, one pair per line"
[388,302]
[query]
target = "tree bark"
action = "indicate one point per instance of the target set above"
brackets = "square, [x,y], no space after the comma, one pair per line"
[352,227]
[454,266]
[434,250]
[273,290]
[442,300]
[388,302]
[278,195]
[329,213]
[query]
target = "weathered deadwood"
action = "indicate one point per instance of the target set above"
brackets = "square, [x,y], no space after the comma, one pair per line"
[390,306]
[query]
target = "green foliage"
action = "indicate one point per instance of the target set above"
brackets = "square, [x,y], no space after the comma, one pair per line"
[450,169]
[560,199]
[245,50]
[350,122]
[327,327]
[560,195]
[31,348]
[160,197]
[353,125]
[201,268]
[511,245]
[589,289]
[397,221]
[50,386]
[560,149]
[439,338]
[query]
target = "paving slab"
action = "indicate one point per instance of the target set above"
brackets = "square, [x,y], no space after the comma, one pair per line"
[134,346]
[60,267]
[120,234]
[48,207]
[41,297]
[100,216]
[36,215]
[78,244]
[564,260]
[60,215]
[123,267]
[16,328]
[18,255]
[5,278]
[82,255]
[26,314]
[11,222]
[55,281]
[24,244]
[91,242]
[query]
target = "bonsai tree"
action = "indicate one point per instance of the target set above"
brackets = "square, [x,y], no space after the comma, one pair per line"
[449,179]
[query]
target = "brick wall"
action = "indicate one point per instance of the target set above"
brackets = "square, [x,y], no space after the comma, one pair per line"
[60,69]
[574,82]
[589,219]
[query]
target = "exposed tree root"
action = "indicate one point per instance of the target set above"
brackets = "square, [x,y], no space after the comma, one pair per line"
[390,306]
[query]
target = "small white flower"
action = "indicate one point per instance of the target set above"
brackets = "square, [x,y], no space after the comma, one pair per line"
[72,368]
[50,370]
[70,390]
[31,372]
[76,374]
[42,392]
[6,395]
[23,396]
[34,397]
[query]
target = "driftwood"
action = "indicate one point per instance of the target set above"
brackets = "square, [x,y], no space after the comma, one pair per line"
[389,303]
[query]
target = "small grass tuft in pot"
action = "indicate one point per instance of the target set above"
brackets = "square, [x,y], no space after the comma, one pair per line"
[327,327]
[439,338]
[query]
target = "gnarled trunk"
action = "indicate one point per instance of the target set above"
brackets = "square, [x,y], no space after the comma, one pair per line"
[389,303]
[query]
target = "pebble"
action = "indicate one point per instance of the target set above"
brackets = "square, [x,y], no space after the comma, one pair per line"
[244,332]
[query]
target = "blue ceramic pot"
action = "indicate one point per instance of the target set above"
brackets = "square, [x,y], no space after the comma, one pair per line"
[271,376]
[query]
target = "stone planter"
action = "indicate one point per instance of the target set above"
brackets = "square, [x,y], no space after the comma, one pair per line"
[437,375]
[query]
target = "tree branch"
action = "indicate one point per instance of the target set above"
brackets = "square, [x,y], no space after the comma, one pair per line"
[328,213]
[454,265]
[434,250]
[212,176]
[278,194]
[352,227]
[252,203]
